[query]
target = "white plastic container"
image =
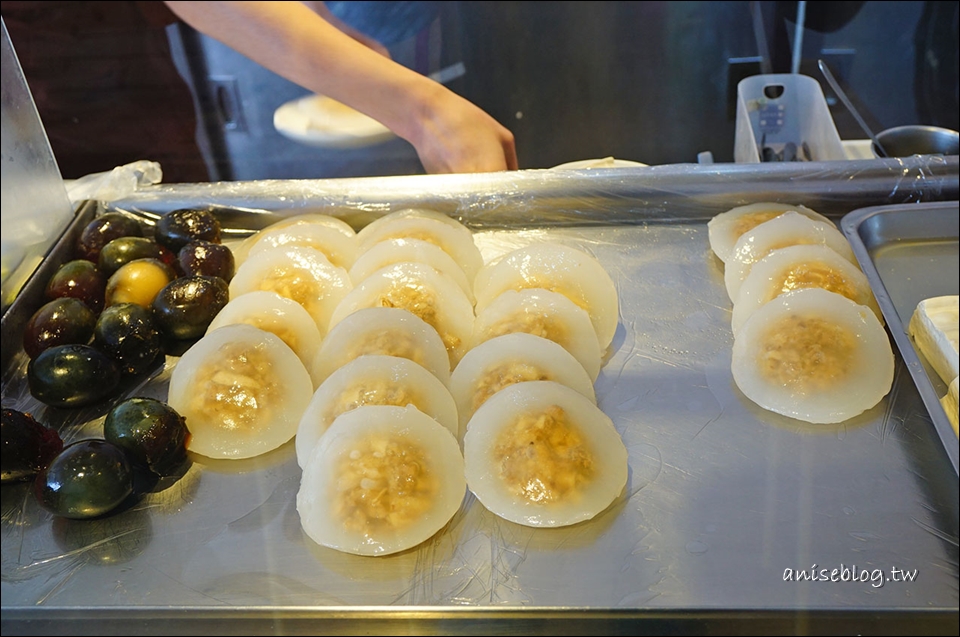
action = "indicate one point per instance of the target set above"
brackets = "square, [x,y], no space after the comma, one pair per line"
[776,110]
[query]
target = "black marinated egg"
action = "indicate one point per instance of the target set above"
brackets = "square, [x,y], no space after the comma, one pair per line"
[87,479]
[126,332]
[179,227]
[121,251]
[185,308]
[150,431]
[72,376]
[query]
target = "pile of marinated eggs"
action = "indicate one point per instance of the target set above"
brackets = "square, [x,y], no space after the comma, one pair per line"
[126,298]
[111,314]
[346,340]
[144,441]
[809,341]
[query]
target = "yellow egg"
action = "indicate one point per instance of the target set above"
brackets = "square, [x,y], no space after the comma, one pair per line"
[138,281]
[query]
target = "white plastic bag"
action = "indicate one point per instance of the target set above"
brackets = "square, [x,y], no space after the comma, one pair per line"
[114,184]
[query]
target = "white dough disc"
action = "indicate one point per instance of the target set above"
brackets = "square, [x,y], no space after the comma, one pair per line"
[725,228]
[382,480]
[339,248]
[315,218]
[541,454]
[273,313]
[373,380]
[390,331]
[242,251]
[788,229]
[542,313]
[241,391]
[510,359]
[298,273]
[422,290]
[797,267]
[390,251]
[552,266]
[448,234]
[813,355]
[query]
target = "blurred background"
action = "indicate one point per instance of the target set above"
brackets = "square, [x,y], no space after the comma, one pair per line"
[654,82]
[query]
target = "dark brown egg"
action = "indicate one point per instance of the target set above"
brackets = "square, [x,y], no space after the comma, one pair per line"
[102,231]
[79,279]
[59,322]
[204,257]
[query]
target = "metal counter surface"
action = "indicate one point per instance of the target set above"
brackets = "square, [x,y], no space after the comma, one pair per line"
[725,506]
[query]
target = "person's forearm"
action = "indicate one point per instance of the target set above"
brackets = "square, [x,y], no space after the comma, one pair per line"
[291,40]
[449,133]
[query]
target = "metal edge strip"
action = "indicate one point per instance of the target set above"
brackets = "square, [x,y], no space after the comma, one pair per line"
[851,224]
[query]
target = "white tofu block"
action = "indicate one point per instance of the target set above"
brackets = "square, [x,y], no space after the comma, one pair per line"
[934,328]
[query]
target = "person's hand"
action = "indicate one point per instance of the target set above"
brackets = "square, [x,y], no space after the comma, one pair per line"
[455,136]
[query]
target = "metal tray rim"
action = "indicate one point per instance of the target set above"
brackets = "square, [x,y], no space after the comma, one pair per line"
[851,224]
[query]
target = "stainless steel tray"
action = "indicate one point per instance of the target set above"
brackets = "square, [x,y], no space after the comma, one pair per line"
[910,253]
[722,497]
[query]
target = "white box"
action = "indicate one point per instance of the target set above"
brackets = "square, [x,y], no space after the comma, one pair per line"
[776,110]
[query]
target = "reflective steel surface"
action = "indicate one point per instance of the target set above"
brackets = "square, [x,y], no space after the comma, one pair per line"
[726,505]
